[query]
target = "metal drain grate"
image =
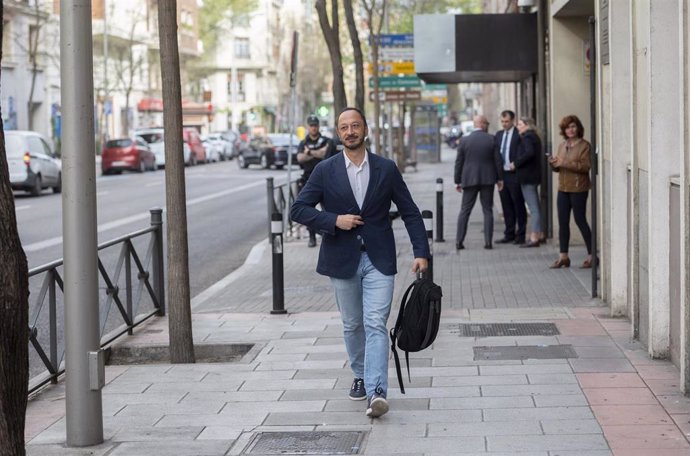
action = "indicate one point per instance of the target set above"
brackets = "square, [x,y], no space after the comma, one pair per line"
[523,352]
[305,443]
[507,329]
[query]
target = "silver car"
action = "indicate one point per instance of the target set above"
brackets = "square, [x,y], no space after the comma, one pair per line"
[32,164]
[154,138]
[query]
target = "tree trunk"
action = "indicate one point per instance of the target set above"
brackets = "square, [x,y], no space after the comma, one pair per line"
[331,35]
[180,314]
[357,51]
[33,59]
[14,317]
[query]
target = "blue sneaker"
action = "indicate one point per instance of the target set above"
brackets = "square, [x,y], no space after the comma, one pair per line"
[378,405]
[357,391]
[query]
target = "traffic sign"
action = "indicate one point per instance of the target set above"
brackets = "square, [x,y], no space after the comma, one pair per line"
[393,82]
[394,54]
[397,95]
[393,68]
[402,40]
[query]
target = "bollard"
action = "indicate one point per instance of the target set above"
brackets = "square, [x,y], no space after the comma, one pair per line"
[439,210]
[429,227]
[270,205]
[278,282]
[158,259]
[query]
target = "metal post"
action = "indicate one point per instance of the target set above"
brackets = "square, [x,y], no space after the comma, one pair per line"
[291,122]
[439,210]
[593,153]
[278,282]
[428,217]
[52,311]
[158,259]
[543,122]
[84,407]
[270,205]
[128,287]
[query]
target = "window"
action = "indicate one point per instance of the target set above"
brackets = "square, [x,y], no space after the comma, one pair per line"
[35,145]
[242,48]
[7,38]
[32,49]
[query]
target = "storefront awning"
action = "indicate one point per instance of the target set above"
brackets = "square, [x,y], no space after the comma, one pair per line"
[475,47]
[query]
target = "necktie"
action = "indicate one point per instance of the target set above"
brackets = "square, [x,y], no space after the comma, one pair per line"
[504,149]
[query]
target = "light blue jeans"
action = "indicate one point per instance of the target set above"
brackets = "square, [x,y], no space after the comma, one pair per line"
[529,192]
[364,302]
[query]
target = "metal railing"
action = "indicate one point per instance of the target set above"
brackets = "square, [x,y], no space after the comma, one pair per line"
[148,272]
[279,199]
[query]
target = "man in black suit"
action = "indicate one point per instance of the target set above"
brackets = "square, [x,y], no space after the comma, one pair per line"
[512,201]
[477,168]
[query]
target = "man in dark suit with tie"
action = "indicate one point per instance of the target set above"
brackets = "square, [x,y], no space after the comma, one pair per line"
[512,201]
[355,190]
[477,168]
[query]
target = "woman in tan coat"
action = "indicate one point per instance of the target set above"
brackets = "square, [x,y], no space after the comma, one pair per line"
[572,163]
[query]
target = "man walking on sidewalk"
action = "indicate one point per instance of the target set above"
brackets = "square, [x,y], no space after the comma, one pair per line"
[512,202]
[477,168]
[355,190]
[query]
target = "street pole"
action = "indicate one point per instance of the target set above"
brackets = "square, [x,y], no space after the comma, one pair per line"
[84,409]
[291,122]
[105,133]
[593,153]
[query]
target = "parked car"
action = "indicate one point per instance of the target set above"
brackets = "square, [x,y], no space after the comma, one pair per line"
[213,151]
[225,146]
[127,154]
[282,142]
[32,164]
[260,151]
[154,138]
[234,138]
[193,140]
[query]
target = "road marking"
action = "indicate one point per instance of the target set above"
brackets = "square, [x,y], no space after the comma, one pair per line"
[153,184]
[145,216]
[21,208]
[253,258]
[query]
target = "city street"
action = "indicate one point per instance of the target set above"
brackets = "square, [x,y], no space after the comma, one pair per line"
[226,212]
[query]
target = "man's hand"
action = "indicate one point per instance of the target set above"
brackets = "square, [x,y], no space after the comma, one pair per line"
[458,188]
[420,265]
[348,221]
[499,184]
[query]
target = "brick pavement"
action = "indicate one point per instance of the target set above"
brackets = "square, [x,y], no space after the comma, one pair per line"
[611,399]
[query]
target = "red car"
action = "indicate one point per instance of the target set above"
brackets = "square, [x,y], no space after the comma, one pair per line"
[127,154]
[193,140]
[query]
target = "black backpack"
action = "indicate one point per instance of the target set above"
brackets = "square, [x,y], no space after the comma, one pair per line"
[417,323]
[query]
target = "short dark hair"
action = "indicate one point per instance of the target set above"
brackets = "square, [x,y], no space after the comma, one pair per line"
[352,108]
[567,120]
[508,113]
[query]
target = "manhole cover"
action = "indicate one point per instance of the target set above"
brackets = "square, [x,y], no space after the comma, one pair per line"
[524,352]
[319,443]
[507,329]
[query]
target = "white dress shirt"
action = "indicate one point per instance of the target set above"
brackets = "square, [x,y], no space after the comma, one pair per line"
[358,177]
[505,148]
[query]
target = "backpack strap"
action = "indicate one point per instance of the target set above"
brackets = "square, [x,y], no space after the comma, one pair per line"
[394,339]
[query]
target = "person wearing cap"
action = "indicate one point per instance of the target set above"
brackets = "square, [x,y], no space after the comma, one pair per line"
[310,151]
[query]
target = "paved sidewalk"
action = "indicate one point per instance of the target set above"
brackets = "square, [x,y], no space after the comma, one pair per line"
[610,399]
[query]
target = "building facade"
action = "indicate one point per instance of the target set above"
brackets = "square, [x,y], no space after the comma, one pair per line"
[643,150]
[30,68]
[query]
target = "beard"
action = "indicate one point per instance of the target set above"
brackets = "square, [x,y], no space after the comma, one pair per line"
[354,146]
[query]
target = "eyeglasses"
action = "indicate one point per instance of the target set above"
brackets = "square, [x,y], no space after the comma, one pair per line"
[356,126]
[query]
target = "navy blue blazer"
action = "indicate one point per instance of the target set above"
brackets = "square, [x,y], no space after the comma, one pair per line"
[340,249]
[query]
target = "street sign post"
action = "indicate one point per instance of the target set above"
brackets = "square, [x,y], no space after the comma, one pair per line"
[396,95]
[400,40]
[393,54]
[393,68]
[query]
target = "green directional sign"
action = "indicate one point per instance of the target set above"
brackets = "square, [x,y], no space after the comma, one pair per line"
[399,82]
[396,82]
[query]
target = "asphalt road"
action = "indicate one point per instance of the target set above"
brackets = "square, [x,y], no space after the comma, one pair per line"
[226,217]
